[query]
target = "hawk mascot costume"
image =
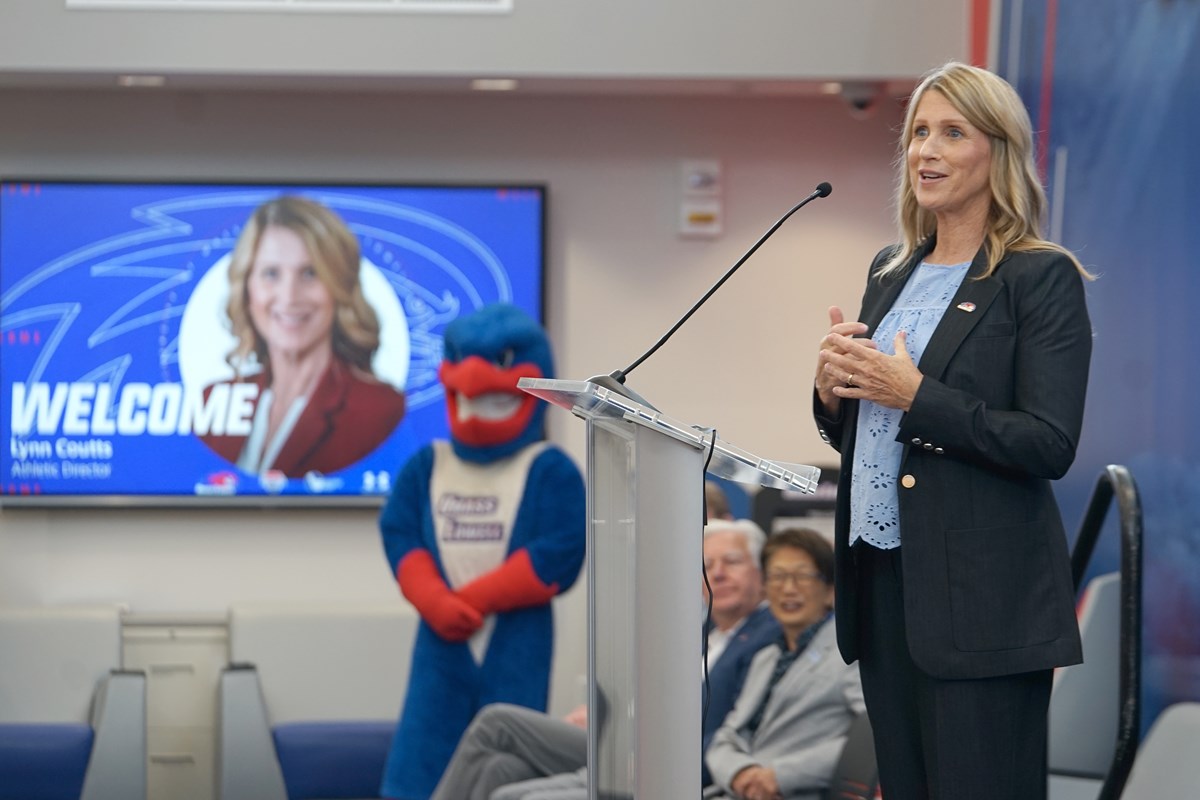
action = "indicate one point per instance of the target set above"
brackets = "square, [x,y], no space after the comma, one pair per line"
[481,532]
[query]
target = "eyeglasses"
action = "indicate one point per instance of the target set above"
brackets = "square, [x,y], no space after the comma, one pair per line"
[778,579]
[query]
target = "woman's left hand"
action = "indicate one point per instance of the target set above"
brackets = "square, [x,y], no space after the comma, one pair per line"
[756,782]
[865,373]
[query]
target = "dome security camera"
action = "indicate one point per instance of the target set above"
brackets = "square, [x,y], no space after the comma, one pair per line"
[861,97]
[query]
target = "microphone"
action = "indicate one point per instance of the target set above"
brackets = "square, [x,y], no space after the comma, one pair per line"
[615,380]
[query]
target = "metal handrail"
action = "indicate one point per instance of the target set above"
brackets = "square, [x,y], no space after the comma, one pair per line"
[1116,481]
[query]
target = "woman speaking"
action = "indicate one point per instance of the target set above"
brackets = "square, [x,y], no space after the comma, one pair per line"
[954,401]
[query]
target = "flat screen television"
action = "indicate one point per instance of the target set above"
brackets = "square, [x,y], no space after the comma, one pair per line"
[128,376]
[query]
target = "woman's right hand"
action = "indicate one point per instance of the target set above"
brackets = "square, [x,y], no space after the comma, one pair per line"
[826,379]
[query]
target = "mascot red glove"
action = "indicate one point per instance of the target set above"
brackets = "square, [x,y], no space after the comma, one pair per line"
[454,618]
[513,584]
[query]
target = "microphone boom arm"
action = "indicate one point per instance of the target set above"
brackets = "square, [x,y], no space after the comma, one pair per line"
[822,190]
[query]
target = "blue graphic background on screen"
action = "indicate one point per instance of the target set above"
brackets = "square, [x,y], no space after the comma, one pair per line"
[1125,113]
[95,280]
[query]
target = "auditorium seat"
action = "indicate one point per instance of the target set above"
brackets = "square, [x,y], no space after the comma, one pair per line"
[1085,700]
[310,702]
[72,724]
[857,775]
[1166,765]
[775,509]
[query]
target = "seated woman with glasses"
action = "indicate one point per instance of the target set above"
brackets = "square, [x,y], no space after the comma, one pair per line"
[785,734]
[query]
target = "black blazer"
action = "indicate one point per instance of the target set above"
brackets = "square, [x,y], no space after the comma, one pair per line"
[987,581]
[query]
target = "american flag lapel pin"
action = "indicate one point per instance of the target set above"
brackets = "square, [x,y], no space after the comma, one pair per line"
[967,307]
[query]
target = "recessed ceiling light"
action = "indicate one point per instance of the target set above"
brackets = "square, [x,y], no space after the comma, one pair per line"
[494,84]
[141,80]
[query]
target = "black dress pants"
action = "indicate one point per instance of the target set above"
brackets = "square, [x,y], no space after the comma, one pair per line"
[935,739]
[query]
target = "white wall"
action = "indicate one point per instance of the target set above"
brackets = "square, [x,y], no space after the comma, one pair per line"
[696,39]
[618,277]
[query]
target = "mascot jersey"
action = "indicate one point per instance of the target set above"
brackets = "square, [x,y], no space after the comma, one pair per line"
[481,532]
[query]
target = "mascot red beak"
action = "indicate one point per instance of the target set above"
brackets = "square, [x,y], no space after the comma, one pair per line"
[486,407]
[486,353]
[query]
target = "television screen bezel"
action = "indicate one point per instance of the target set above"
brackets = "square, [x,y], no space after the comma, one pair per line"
[150,501]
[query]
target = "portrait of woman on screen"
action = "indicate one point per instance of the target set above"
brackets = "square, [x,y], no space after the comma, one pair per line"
[305,336]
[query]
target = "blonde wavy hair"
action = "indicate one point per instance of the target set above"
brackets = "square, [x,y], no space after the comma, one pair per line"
[990,104]
[335,255]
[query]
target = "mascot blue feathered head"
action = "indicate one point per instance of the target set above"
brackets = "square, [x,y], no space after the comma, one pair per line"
[485,353]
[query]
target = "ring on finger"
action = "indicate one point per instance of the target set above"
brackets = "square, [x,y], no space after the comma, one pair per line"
[850,379]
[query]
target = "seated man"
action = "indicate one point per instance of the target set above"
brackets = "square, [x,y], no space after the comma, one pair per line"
[508,746]
[783,739]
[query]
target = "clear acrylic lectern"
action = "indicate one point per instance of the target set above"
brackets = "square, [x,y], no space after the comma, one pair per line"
[645,506]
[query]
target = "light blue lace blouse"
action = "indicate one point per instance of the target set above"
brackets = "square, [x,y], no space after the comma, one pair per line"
[874,506]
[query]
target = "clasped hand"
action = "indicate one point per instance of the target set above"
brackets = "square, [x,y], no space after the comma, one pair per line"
[856,369]
[756,782]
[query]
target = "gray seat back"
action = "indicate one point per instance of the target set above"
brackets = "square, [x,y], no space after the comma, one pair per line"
[1085,702]
[1167,765]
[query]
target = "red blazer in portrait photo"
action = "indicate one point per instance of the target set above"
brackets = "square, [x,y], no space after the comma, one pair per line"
[349,414]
